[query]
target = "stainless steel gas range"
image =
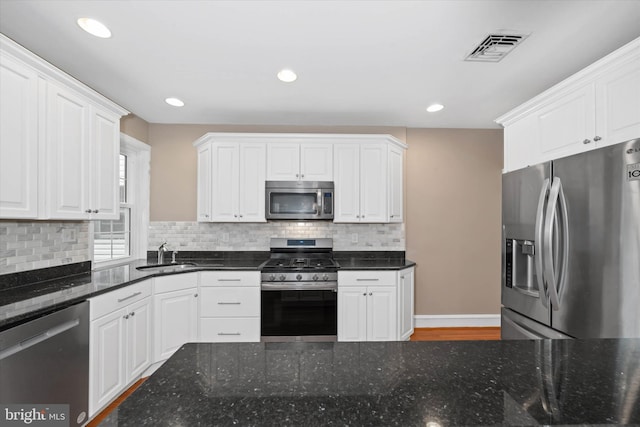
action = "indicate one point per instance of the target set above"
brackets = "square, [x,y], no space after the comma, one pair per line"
[299,291]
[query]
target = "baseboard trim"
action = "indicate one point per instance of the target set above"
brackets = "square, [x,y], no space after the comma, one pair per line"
[456,320]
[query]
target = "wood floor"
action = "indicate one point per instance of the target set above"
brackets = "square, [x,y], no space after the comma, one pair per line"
[420,334]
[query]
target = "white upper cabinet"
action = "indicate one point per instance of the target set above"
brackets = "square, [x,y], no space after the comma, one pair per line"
[59,142]
[368,180]
[618,103]
[204,183]
[395,196]
[231,181]
[597,106]
[307,161]
[18,139]
[367,171]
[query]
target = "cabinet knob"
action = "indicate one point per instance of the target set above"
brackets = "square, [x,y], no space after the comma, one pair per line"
[596,138]
[240,216]
[586,141]
[206,215]
[96,211]
[88,211]
[195,295]
[362,216]
[365,294]
[302,176]
[133,313]
[235,216]
[370,293]
[126,316]
[297,176]
[357,216]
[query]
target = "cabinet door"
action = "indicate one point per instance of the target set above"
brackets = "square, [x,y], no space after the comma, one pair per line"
[567,123]
[204,183]
[105,148]
[405,303]
[138,327]
[175,321]
[67,154]
[381,313]
[346,161]
[251,185]
[316,161]
[373,183]
[352,313]
[18,140]
[106,361]
[521,147]
[283,162]
[395,184]
[224,191]
[618,104]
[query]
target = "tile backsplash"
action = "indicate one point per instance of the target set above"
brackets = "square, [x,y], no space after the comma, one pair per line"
[202,236]
[28,245]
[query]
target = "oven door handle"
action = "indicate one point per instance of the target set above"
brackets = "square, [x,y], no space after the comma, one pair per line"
[299,287]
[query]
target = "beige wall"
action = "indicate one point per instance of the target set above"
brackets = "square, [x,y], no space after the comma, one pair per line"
[453,219]
[135,127]
[174,162]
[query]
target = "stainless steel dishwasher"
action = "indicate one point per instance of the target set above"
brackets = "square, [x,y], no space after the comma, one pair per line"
[46,361]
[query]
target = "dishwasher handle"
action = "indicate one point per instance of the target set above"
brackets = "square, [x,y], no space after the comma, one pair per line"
[37,339]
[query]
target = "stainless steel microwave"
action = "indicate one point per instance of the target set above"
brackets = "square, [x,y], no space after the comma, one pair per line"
[306,200]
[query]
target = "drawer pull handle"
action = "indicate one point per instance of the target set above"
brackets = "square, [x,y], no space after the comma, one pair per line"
[367,280]
[228,303]
[228,280]
[228,333]
[135,294]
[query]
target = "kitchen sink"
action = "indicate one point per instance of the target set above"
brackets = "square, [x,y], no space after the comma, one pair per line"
[166,267]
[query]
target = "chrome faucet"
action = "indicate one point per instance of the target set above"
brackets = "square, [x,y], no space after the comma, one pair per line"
[161,250]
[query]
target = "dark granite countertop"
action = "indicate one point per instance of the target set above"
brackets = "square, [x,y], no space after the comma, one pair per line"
[34,293]
[547,382]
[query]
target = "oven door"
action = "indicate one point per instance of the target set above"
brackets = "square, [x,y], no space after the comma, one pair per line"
[289,313]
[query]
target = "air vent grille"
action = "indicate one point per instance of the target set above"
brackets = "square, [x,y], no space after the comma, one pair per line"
[494,47]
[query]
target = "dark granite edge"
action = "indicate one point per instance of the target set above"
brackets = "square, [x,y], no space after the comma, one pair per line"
[48,274]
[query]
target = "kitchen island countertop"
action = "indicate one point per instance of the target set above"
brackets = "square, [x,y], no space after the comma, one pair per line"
[543,382]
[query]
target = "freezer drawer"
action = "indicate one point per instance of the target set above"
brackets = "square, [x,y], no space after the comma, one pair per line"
[514,326]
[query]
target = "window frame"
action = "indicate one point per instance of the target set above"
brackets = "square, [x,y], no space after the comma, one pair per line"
[138,167]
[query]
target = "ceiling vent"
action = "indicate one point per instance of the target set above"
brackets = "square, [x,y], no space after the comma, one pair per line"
[494,47]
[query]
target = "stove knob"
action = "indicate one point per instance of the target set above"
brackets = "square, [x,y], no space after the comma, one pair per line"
[272,277]
[282,277]
[325,277]
[315,277]
[299,277]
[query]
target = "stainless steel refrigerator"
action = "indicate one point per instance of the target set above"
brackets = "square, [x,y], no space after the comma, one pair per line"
[571,246]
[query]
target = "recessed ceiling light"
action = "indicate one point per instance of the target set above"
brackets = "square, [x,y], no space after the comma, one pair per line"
[434,107]
[94,27]
[287,75]
[175,102]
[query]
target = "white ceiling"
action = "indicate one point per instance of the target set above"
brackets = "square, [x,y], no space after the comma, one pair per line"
[358,62]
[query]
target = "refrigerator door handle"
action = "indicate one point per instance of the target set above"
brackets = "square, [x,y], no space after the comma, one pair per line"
[549,271]
[561,281]
[538,258]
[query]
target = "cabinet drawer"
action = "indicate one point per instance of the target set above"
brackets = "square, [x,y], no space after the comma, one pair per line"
[174,282]
[366,278]
[227,278]
[231,301]
[246,329]
[112,301]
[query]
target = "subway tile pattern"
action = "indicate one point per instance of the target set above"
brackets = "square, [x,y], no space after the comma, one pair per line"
[202,236]
[28,245]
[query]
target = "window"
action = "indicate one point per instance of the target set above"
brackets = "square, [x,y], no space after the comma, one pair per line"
[112,239]
[125,238]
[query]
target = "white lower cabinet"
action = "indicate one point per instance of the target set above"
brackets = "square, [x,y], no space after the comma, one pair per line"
[367,306]
[175,314]
[230,306]
[406,297]
[120,342]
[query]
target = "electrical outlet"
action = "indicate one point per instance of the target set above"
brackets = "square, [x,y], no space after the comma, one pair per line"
[225,237]
[354,238]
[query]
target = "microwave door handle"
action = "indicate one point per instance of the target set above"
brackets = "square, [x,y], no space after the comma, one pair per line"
[320,203]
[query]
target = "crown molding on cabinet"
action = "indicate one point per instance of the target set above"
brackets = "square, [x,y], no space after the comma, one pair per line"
[297,137]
